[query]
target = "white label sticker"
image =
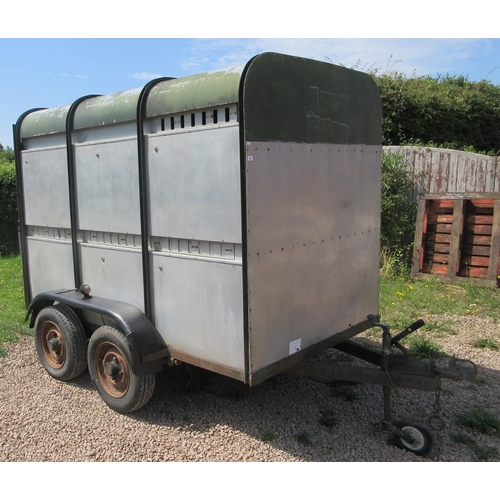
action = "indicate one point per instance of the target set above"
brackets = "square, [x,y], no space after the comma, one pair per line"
[295,346]
[250,158]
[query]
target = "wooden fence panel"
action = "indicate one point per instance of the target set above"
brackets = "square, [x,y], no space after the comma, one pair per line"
[442,171]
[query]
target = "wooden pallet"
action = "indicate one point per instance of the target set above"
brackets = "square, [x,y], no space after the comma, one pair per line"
[457,238]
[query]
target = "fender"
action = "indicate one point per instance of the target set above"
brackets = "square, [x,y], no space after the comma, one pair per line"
[142,337]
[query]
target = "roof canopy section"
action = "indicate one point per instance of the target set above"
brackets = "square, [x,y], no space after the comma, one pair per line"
[214,88]
[45,122]
[205,90]
[281,98]
[293,99]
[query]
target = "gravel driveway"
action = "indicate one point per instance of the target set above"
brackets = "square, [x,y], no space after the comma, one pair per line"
[200,416]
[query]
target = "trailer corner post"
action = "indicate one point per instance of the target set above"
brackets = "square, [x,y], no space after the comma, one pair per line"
[144,193]
[73,196]
[20,203]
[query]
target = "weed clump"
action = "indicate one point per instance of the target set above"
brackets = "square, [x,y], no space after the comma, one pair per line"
[423,348]
[483,453]
[303,438]
[486,344]
[327,419]
[480,420]
[267,436]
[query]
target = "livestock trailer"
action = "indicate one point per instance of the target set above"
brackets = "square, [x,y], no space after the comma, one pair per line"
[229,220]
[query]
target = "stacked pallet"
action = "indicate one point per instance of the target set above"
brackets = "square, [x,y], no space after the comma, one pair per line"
[457,238]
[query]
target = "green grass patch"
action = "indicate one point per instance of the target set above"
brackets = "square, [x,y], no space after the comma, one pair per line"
[327,419]
[486,344]
[480,420]
[425,348]
[267,436]
[345,392]
[12,310]
[303,438]
[483,453]
[403,300]
[463,439]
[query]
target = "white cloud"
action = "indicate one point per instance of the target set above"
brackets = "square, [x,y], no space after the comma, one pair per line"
[144,76]
[67,75]
[17,70]
[422,56]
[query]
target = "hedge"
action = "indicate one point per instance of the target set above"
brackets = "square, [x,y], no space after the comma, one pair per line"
[9,242]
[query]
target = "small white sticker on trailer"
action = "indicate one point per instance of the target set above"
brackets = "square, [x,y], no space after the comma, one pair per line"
[295,346]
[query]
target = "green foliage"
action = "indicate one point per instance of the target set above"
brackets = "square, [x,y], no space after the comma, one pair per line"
[403,301]
[8,203]
[12,310]
[486,344]
[483,453]
[345,392]
[425,348]
[327,419]
[303,438]
[480,420]
[267,436]
[450,112]
[398,215]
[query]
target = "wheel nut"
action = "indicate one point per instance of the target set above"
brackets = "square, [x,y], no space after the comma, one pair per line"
[112,368]
[54,344]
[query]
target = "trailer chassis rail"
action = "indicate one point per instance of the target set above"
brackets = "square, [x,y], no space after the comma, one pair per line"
[394,370]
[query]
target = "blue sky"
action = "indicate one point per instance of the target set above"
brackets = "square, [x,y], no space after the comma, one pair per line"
[47,72]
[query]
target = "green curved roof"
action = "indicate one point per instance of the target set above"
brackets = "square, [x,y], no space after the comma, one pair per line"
[45,122]
[204,90]
[107,109]
[214,88]
[285,98]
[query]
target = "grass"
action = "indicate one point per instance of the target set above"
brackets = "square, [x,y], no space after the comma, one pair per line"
[267,436]
[344,392]
[486,344]
[12,310]
[303,438]
[403,300]
[327,419]
[483,453]
[480,420]
[425,348]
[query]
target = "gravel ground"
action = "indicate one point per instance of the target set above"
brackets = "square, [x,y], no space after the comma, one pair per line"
[202,417]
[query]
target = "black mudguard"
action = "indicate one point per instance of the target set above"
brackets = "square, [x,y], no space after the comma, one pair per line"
[143,338]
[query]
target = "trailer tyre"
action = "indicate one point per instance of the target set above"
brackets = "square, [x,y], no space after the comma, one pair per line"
[110,369]
[422,441]
[61,342]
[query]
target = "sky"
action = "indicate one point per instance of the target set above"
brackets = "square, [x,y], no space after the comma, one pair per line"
[48,72]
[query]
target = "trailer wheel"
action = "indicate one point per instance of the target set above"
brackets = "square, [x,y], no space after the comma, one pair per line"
[422,441]
[110,369]
[61,342]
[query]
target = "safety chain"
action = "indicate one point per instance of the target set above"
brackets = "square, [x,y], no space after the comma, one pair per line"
[435,421]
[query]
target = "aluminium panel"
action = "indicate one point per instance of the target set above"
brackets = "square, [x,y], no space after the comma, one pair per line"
[46,190]
[51,265]
[108,186]
[194,179]
[313,244]
[113,273]
[199,308]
